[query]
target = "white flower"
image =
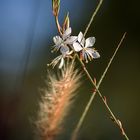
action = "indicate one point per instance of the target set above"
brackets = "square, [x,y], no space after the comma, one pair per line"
[65,52]
[56,60]
[84,46]
[65,40]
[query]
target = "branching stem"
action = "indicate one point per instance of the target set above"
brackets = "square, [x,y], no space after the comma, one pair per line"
[75,133]
[74,136]
[117,122]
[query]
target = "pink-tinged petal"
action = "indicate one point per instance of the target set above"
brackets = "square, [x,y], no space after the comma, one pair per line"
[57,40]
[61,63]
[90,42]
[71,39]
[64,50]
[77,47]
[95,54]
[67,33]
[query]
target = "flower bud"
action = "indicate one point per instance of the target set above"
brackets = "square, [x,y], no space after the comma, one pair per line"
[66,23]
[56,7]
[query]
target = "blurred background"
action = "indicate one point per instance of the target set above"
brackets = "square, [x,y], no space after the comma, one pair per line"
[26,31]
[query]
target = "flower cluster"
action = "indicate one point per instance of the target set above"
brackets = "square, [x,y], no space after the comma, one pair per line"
[67,45]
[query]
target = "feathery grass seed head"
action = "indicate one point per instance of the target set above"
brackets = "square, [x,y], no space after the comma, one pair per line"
[56,101]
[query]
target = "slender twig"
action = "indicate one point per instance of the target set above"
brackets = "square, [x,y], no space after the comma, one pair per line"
[92,17]
[98,85]
[103,99]
[74,135]
[118,122]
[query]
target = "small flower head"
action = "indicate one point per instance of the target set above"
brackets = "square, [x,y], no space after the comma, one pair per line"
[84,46]
[65,40]
[63,44]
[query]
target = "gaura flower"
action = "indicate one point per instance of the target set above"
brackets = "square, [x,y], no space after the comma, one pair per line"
[66,39]
[84,46]
[65,52]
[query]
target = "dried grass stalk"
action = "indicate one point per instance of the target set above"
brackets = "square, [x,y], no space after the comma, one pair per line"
[56,101]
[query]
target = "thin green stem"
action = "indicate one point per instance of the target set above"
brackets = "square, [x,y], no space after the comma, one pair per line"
[76,130]
[93,16]
[111,59]
[74,136]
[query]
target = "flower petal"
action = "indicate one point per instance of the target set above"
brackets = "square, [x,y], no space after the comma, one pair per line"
[77,47]
[84,56]
[95,54]
[67,33]
[81,38]
[71,39]
[90,52]
[90,42]
[57,40]
[64,50]
[61,63]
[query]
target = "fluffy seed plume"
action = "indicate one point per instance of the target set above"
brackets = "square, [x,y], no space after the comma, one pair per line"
[56,101]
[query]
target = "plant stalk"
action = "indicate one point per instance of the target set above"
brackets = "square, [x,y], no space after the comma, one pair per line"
[93,16]
[74,136]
